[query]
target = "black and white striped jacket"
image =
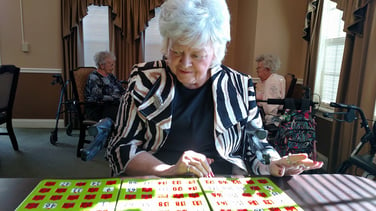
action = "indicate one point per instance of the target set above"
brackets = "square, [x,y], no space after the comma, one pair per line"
[144,115]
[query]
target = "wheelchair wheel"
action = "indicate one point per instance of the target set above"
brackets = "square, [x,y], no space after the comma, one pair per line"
[53,137]
[69,129]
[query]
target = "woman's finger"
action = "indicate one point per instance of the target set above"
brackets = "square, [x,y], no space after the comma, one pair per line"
[200,164]
[312,164]
[292,159]
[202,167]
[291,172]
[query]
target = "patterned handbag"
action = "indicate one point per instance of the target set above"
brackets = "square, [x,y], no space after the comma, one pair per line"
[296,133]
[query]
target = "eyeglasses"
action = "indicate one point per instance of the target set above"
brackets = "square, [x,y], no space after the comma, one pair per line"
[195,56]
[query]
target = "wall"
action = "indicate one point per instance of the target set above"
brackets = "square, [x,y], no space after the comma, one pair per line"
[36,98]
[258,26]
[267,26]
[243,26]
[41,31]
[279,31]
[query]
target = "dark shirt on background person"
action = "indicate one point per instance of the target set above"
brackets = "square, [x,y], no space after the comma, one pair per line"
[103,90]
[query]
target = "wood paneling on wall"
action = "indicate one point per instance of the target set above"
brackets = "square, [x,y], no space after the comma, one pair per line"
[36,97]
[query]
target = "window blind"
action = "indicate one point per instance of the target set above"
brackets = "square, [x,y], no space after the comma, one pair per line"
[331,46]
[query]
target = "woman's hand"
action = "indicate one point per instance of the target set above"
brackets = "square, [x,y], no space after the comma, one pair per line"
[293,164]
[194,163]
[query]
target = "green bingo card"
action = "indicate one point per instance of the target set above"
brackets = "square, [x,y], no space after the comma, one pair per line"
[159,194]
[93,194]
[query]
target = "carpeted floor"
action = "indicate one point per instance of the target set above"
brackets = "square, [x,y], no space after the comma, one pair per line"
[38,158]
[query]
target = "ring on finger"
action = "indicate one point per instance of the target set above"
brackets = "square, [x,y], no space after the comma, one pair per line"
[188,168]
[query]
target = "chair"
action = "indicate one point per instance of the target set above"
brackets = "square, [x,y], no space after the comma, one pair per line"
[78,78]
[9,75]
[288,103]
[290,84]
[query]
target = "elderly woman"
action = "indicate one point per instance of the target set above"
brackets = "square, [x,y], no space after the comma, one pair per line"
[103,90]
[271,86]
[187,115]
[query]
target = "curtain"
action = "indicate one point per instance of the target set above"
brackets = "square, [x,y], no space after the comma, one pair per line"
[311,34]
[128,20]
[358,74]
[72,12]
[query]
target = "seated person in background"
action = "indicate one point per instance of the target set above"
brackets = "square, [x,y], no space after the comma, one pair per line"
[103,90]
[188,115]
[271,86]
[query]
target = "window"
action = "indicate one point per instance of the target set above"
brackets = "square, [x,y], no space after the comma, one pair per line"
[95,32]
[153,39]
[331,46]
[96,35]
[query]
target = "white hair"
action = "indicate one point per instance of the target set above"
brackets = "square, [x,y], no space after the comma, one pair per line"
[270,61]
[101,56]
[196,23]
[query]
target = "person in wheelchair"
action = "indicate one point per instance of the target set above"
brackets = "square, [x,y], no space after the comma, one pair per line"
[103,90]
[271,86]
[188,114]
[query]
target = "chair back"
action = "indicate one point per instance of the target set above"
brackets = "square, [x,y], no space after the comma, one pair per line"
[290,84]
[9,75]
[79,78]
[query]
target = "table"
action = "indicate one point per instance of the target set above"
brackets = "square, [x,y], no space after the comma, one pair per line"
[14,190]
[310,191]
[330,191]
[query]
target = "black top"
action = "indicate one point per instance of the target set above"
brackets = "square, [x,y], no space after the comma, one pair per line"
[193,127]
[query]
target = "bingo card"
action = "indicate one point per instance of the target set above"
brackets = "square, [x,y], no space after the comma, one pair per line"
[159,194]
[93,194]
[253,194]
[162,195]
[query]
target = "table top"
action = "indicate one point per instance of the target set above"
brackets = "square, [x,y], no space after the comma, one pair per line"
[310,191]
[330,191]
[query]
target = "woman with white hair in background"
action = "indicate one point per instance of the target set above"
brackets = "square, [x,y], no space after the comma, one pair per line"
[103,90]
[271,86]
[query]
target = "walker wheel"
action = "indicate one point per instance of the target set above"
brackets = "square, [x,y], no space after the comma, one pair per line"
[69,130]
[53,138]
